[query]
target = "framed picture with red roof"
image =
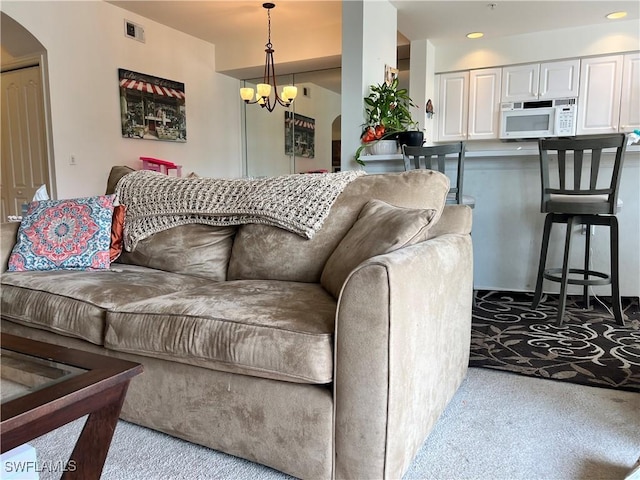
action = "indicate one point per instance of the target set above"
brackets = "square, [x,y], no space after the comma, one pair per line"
[152,108]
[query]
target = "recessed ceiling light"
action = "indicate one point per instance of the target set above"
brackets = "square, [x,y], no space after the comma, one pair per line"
[475,35]
[616,15]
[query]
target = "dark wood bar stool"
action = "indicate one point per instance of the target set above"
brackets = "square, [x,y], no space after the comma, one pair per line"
[565,200]
[434,158]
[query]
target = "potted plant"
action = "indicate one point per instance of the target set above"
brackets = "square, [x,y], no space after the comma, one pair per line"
[387,115]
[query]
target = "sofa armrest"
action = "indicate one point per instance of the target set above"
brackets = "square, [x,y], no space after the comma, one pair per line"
[402,341]
[454,219]
[8,235]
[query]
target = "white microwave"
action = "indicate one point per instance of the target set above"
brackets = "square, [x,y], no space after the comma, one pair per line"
[549,118]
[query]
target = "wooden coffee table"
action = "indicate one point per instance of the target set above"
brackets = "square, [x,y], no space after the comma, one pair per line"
[50,386]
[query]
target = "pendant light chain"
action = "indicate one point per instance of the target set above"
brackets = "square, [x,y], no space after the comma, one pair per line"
[269,45]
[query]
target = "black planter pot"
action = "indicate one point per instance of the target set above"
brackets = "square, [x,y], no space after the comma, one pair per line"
[413,138]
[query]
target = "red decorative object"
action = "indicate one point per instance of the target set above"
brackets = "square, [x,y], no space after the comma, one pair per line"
[162,166]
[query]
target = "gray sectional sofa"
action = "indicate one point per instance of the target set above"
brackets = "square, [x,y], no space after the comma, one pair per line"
[259,343]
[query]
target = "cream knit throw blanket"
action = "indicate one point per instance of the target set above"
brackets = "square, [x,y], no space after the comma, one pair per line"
[156,202]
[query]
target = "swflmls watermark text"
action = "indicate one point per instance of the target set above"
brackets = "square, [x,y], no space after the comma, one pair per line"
[58,466]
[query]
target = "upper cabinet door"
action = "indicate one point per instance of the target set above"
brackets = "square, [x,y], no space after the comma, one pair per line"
[484,103]
[599,99]
[520,83]
[630,99]
[451,110]
[559,79]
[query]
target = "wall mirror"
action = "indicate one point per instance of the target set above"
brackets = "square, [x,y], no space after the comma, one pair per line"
[273,149]
[302,138]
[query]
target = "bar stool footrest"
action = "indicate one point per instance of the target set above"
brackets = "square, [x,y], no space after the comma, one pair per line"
[555,275]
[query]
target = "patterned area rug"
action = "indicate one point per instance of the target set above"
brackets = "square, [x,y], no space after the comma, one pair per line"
[589,348]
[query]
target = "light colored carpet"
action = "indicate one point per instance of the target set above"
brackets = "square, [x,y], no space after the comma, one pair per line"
[498,426]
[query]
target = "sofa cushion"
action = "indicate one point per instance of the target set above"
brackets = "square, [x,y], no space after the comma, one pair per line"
[454,219]
[73,303]
[116,173]
[117,232]
[380,228]
[70,234]
[200,250]
[8,238]
[259,250]
[271,329]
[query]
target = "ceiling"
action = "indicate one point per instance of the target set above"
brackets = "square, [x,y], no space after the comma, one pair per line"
[228,24]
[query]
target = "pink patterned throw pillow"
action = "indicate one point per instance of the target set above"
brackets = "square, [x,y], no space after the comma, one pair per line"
[70,234]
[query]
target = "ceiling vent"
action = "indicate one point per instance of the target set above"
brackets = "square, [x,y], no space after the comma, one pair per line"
[133,31]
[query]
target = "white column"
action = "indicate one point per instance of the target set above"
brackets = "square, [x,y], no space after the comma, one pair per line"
[369,42]
[421,84]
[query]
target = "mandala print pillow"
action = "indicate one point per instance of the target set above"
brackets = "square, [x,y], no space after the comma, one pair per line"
[64,235]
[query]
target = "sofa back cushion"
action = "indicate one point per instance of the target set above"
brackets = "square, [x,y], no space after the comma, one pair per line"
[195,249]
[116,173]
[265,252]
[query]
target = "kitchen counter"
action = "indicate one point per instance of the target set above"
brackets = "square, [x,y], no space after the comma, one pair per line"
[487,149]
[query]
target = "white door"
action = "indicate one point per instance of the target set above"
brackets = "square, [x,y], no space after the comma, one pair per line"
[24,147]
[559,79]
[452,107]
[599,99]
[630,96]
[520,83]
[484,103]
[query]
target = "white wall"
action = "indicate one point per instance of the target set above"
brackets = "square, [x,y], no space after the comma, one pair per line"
[85,46]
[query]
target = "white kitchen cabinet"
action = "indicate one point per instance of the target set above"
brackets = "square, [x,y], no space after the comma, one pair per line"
[630,95]
[559,79]
[520,82]
[484,103]
[599,98]
[452,106]
[540,81]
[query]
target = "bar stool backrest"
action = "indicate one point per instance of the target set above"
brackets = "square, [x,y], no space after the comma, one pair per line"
[581,184]
[434,158]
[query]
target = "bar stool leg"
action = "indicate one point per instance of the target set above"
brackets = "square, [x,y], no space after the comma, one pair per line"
[615,271]
[548,221]
[562,301]
[587,257]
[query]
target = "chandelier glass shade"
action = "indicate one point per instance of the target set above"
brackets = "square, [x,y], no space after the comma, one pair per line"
[263,90]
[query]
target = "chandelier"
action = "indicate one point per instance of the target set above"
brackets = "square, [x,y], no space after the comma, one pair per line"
[263,94]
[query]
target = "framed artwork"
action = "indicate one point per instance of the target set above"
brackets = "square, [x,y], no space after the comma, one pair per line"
[299,135]
[152,108]
[390,74]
